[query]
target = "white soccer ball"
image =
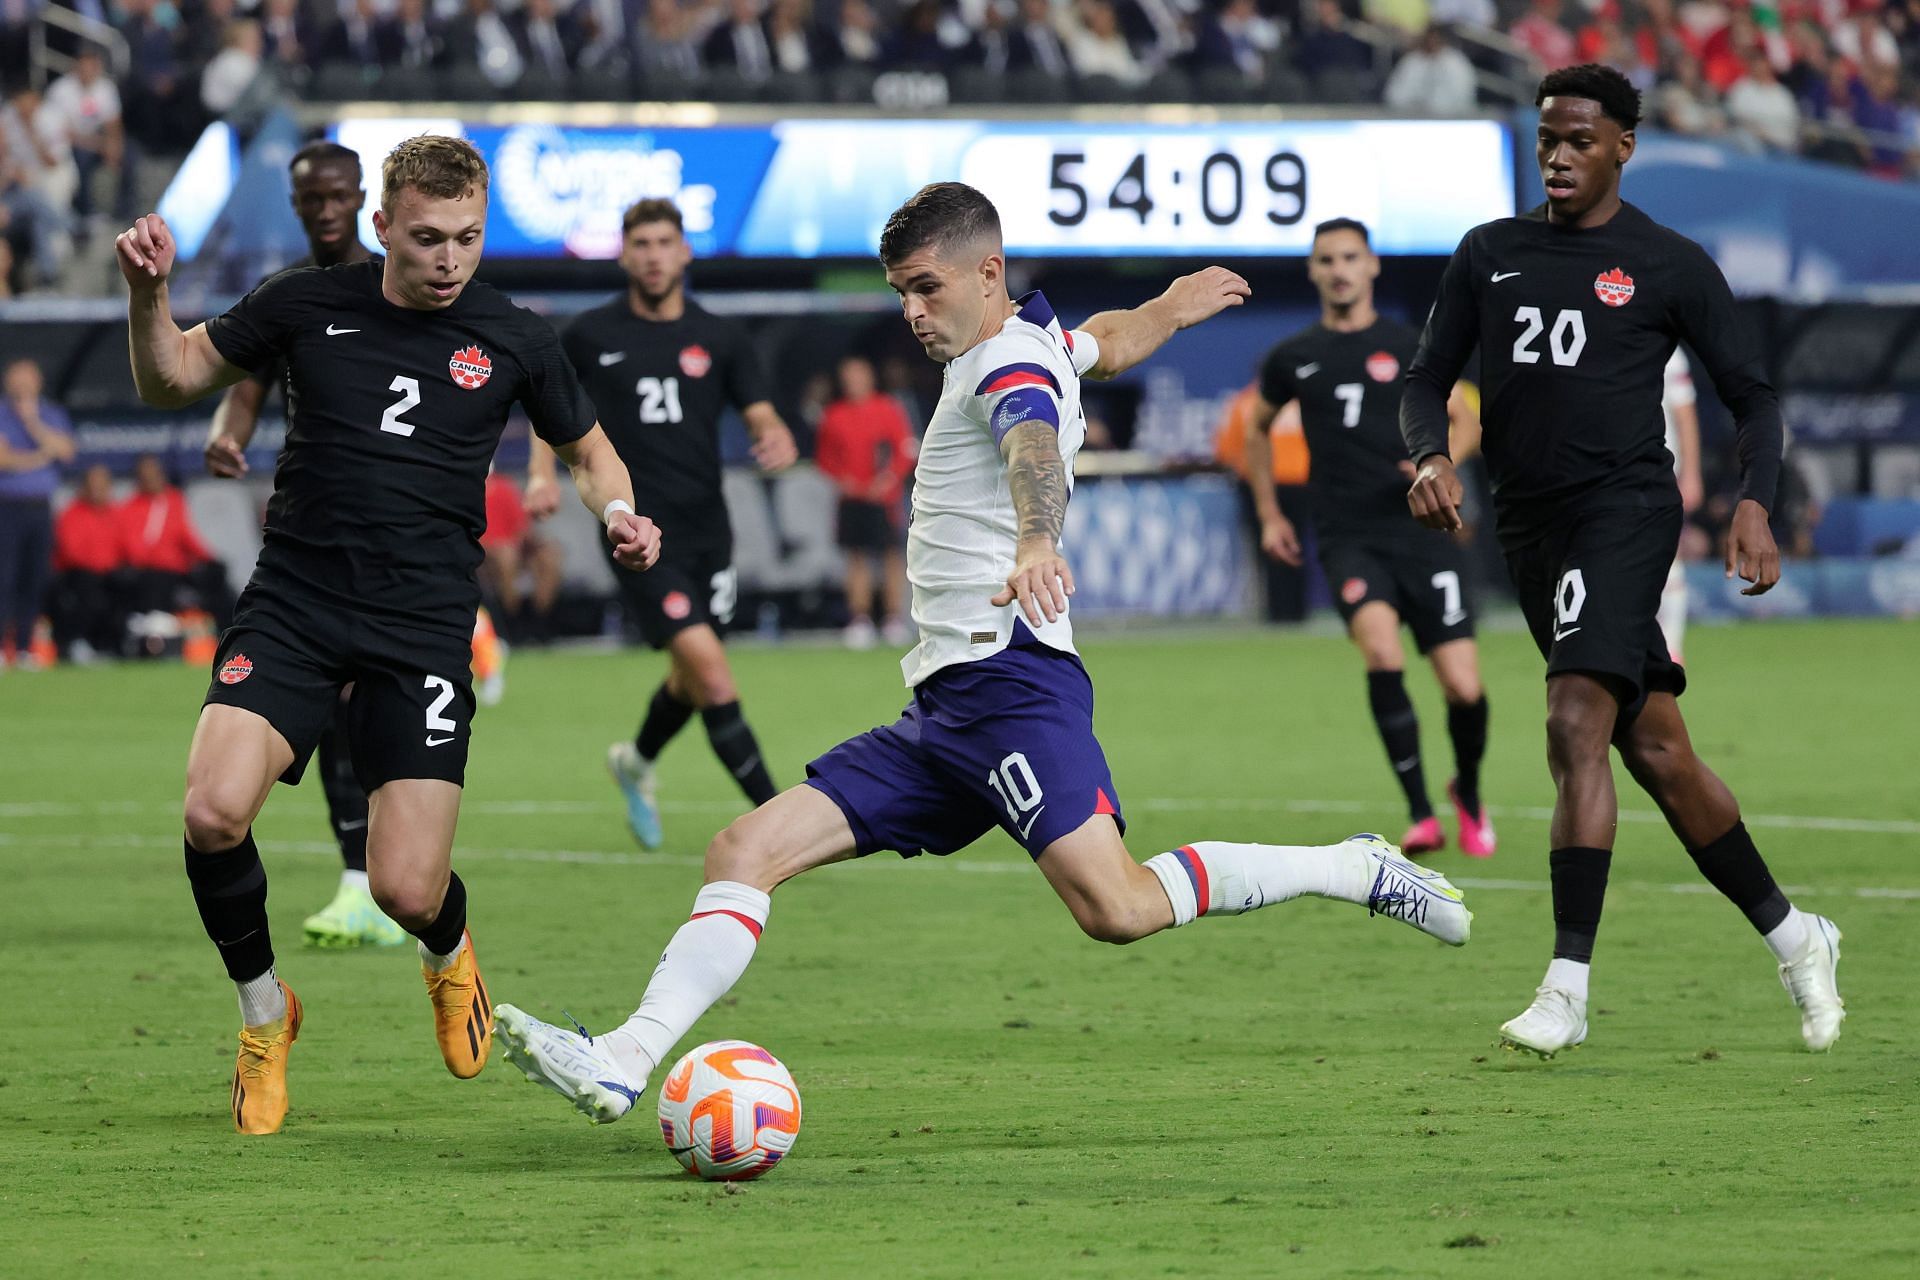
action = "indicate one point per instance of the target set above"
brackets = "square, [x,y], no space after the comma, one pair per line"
[729,1111]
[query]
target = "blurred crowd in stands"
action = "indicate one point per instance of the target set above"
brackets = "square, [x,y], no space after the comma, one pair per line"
[94,83]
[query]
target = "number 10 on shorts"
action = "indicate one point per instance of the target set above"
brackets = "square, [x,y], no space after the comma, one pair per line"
[1018,789]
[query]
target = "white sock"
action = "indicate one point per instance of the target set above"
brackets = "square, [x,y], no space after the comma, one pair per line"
[440,964]
[1789,937]
[705,958]
[354,880]
[262,1000]
[1568,975]
[1218,878]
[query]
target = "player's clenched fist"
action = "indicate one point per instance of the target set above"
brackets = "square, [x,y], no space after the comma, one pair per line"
[1751,552]
[145,251]
[1205,294]
[635,539]
[1436,494]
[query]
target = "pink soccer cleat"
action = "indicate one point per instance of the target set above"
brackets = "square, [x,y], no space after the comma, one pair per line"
[1477,839]
[1424,836]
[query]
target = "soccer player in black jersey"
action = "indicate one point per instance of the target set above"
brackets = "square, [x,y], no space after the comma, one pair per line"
[1575,307]
[662,370]
[327,197]
[400,377]
[1383,568]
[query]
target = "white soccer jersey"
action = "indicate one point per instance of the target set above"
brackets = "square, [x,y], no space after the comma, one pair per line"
[963,535]
[1678,391]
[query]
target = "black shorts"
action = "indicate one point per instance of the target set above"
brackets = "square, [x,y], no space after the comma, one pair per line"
[410,715]
[1590,589]
[1422,576]
[680,591]
[865,526]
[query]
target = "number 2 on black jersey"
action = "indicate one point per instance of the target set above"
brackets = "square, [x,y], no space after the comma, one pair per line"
[659,399]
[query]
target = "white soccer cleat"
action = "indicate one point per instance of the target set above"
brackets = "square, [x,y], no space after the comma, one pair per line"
[1413,894]
[1810,979]
[571,1063]
[634,777]
[1556,1020]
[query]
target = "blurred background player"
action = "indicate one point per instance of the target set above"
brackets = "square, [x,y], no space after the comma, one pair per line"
[327,197]
[1683,442]
[1384,568]
[865,446]
[999,731]
[1576,307]
[662,370]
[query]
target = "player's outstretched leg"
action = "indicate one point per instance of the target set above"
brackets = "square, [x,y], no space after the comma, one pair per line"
[604,1075]
[1457,666]
[1115,899]
[352,919]
[235,758]
[409,848]
[1703,813]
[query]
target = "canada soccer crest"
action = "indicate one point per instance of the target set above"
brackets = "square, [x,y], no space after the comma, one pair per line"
[1383,366]
[1354,590]
[676,605]
[1615,287]
[470,367]
[694,361]
[236,669]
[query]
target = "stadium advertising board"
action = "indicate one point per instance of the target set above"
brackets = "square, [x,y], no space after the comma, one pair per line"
[823,188]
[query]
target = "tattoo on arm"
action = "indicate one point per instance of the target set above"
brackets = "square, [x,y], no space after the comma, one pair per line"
[1037,476]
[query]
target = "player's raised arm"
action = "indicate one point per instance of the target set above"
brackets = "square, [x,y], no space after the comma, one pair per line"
[1037,478]
[1128,337]
[1450,335]
[607,490]
[1709,322]
[171,369]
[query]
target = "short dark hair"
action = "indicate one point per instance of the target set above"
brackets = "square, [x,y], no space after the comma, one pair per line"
[944,215]
[1343,224]
[653,209]
[320,151]
[1618,99]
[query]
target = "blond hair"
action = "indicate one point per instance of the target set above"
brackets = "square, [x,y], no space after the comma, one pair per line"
[437,167]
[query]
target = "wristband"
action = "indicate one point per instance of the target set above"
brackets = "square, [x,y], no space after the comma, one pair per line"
[618,504]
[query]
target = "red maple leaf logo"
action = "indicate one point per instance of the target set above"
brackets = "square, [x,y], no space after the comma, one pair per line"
[470,367]
[1615,287]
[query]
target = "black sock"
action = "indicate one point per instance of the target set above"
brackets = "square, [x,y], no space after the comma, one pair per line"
[346,802]
[1733,866]
[733,742]
[1467,725]
[1579,891]
[443,935]
[1399,727]
[230,888]
[666,716]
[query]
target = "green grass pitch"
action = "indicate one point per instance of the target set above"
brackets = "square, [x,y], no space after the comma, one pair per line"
[1298,1092]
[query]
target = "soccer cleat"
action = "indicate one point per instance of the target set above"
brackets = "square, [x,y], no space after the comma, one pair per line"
[1414,894]
[352,919]
[571,1063]
[462,1014]
[1556,1020]
[1810,979]
[260,1072]
[1476,829]
[634,777]
[1424,836]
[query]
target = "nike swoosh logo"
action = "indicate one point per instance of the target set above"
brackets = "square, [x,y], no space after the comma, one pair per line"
[1028,829]
[353,826]
[1306,370]
[1562,635]
[1498,276]
[611,357]
[435,742]
[334,333]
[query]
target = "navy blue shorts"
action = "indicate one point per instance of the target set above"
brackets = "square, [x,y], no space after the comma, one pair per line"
[1006,741]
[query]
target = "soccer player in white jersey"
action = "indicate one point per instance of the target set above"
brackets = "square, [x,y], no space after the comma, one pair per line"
[1683,442]
[999,731]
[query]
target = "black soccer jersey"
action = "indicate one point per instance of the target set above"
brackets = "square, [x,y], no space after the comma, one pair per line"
[1348,386]
[1574,328]
[393,415]
[661,387]
[273,374]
